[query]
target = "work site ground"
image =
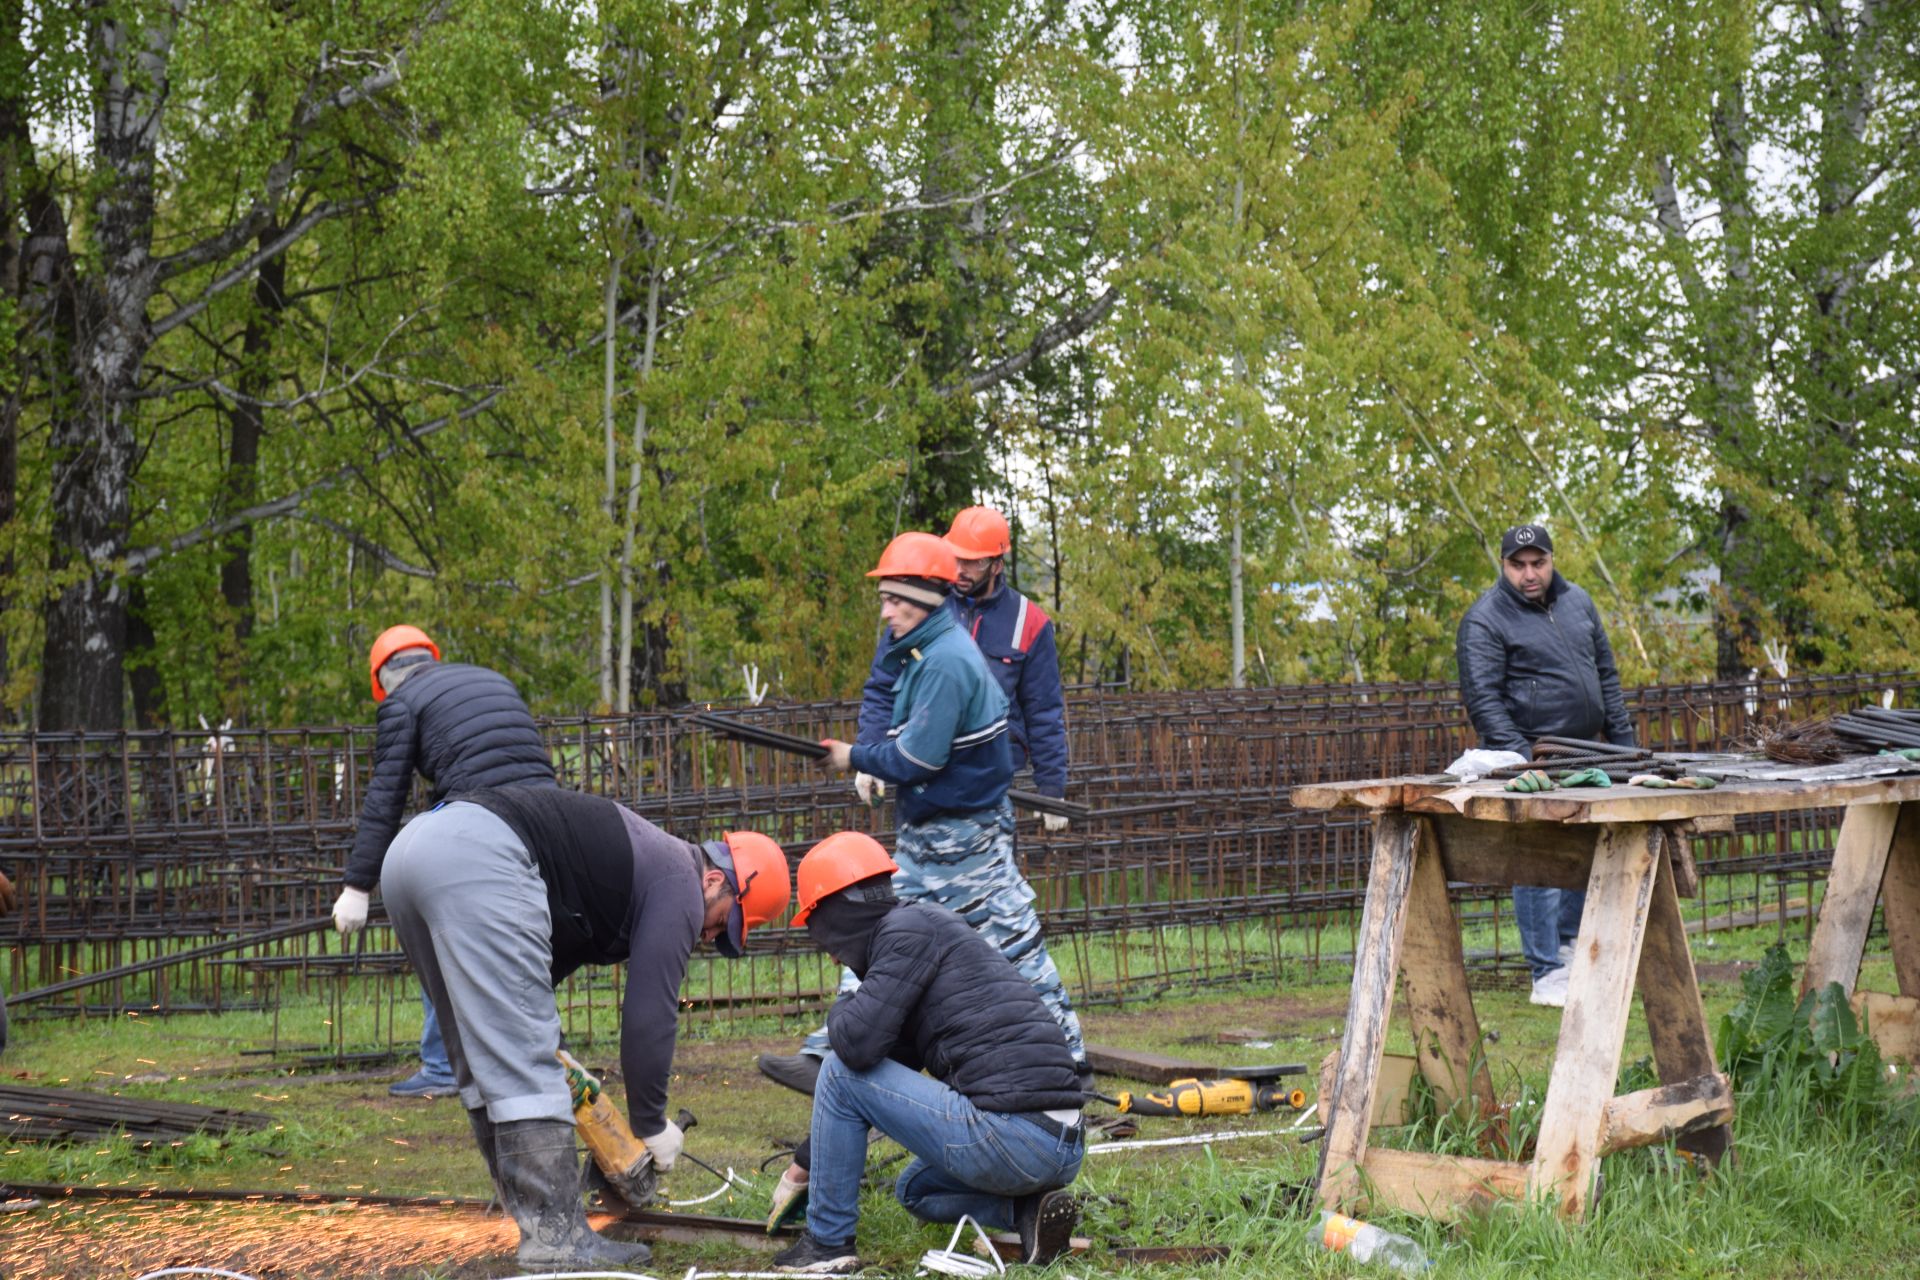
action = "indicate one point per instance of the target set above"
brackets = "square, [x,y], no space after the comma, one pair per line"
[1813,1191]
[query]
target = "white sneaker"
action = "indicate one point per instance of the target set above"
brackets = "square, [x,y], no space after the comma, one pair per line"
[1550,988]
[1566,954]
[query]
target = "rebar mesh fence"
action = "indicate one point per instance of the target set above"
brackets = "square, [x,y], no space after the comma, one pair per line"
[130,847]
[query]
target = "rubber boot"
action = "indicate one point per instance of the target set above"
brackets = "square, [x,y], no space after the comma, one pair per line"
[540,1176]
[483,1138]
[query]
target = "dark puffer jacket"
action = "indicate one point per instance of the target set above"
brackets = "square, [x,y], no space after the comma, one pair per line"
[1527,670]
[939,997]
[461,728]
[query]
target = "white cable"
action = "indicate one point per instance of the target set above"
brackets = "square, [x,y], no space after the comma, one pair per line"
[570,1275]
[1191,1140]
[714,1194]
[195,1271]
[950,1262]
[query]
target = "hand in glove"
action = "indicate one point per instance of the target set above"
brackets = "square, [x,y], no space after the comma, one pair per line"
[665,1146]
[7,895]
[350,910]
[869,788]
[1586,778]
[789,1198]
[1531,780]
[1055,822]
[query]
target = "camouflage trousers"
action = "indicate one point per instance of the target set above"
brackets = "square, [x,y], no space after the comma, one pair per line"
[965,864]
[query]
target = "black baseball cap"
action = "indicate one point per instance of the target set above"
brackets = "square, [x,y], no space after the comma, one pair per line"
[1522,537]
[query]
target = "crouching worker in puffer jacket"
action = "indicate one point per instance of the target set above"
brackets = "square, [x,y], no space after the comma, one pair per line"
[993,1124]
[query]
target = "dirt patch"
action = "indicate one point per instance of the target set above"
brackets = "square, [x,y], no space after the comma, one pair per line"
[1727,971]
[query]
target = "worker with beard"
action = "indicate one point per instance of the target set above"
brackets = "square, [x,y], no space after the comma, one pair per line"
[497,896]
[945,1048]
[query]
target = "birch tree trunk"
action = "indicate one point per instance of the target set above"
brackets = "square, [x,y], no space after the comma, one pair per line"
[92,436]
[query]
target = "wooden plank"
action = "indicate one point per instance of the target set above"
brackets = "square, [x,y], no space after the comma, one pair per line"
[1442,1187]
[1487,802]
[1670,996]
[1446,1034]
[1900,898]
[1667,1112]
[1894,1022]
[1606,956]
[1686,877]
[1391,1086]
[1369,793]
[1853,886]
[1159,1068]
[1377,961]
[1541,853]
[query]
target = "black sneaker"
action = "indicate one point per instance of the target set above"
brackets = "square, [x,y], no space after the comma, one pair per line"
[1045,1221]
[807,1256]
[798,1071]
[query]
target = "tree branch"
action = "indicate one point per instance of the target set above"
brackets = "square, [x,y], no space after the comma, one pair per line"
[244,270]
[289,504]
[1054,335]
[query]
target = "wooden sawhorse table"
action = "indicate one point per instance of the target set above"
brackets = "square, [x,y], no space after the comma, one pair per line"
[1628,847]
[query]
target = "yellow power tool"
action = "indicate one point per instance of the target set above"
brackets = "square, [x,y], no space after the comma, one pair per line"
[619,1155]
[1211,1098]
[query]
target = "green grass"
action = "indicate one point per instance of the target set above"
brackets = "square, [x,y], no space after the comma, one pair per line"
[1808,1194]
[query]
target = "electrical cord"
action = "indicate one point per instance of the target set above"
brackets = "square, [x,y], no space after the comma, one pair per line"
[951,1262]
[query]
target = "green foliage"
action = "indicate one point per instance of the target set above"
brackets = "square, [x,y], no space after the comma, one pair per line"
[1781,1051]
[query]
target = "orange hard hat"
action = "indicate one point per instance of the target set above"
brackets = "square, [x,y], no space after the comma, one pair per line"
[980,533]
[757,870]
[390,642]
[918,555]
[845,858]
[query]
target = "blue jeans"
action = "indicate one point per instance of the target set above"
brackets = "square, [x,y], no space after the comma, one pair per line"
[1546,918]
[434,1063]
[966,1161]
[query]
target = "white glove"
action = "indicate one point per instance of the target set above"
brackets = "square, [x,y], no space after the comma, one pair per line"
[1054,822]
[350,910]
[664,1146]
[869,788]
[791,1188]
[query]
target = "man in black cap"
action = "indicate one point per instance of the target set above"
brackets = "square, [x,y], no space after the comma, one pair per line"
[1534,661]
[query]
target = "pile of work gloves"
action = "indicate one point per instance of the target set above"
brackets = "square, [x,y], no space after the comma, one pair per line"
[1540,780]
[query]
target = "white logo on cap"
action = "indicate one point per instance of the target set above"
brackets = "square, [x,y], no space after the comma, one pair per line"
[1523,535]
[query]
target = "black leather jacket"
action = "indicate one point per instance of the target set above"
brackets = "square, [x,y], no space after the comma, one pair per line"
[461,728]
[1527,670]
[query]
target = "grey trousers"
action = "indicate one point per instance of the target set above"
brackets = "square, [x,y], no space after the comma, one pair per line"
[470,909]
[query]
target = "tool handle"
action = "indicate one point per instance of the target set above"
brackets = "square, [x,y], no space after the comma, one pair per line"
[685,1120]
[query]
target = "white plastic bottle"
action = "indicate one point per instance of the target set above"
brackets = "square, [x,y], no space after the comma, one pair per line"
[1364,1242]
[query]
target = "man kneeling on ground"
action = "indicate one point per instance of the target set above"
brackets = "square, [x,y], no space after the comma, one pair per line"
[994,1124]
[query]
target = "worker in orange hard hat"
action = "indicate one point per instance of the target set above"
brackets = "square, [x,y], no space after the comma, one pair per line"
[461,728]
[1016,637]
[994,1120]
[947,755]
[499,895]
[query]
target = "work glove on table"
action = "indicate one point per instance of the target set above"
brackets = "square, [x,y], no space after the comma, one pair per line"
[1586,778]
[789,1198]
[1055,822]
[1531,780]
[350,910]
[869,788]
[1659,783]
[665,1146]
[1905,753]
